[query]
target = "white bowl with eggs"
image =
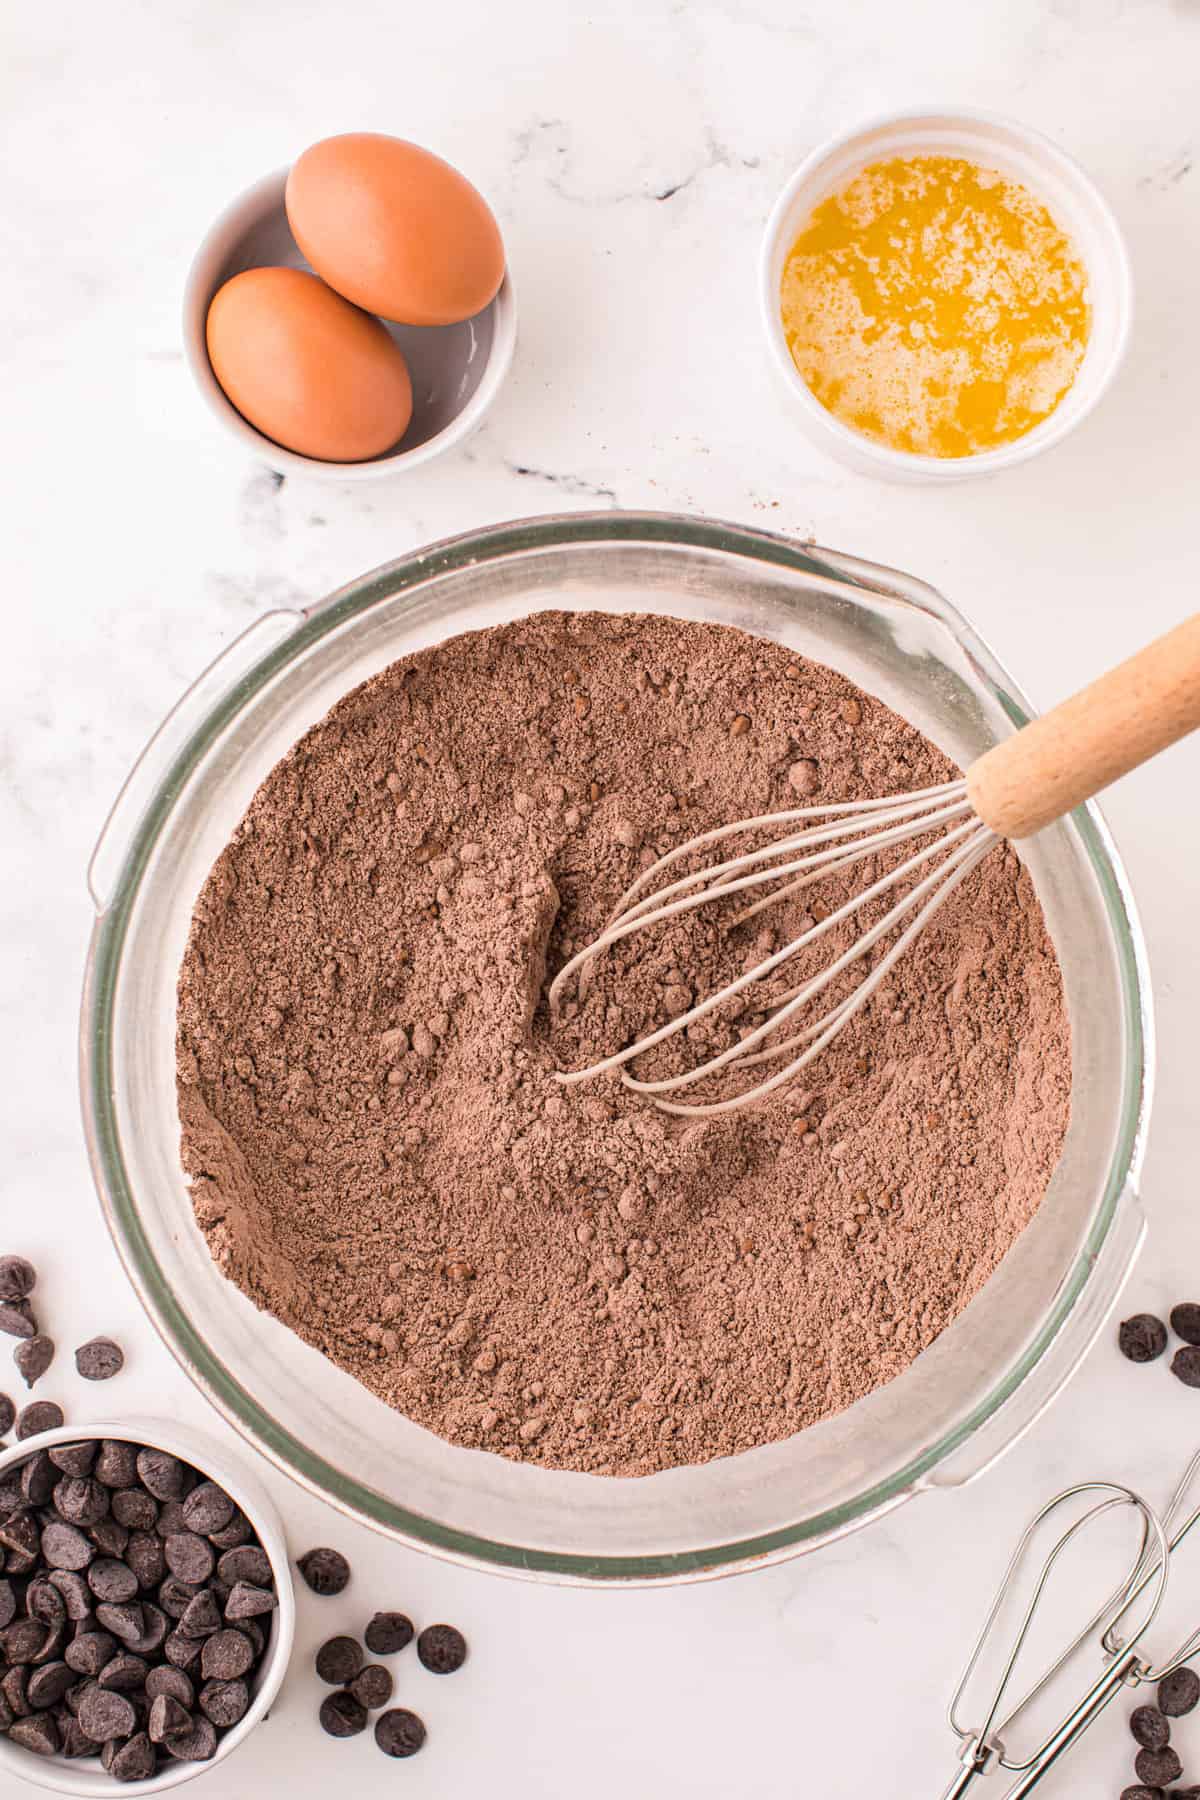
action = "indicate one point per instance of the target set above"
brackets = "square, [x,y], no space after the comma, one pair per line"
[456,370]
[1015,151]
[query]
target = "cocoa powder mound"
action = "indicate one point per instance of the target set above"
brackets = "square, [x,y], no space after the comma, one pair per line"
[377,1149]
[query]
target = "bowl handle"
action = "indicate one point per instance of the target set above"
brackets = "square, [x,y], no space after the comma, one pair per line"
[1059,1360]
[220,680]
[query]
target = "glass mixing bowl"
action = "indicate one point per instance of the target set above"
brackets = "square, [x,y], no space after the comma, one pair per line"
[959,1405]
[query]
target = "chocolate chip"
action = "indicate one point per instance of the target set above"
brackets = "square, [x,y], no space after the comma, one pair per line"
[189,1558]
[1186,1365]
[109,1538]
[18,1278]
[125,1619]
[399,1732]
[1142,1338]
[388,1633]
[39,1734]
[247,1601]
[24,1640]
[124,1672]
[342,1716]
[144,1554]
[1178,1692]
[246,1563]
[135,1509]
[90,1652]
[238,1531]
[167,1718]
[182,1651]
[8,1414]
[33,1357]
[116,1465]
[226,1655]
[73,1459]
[38,1479]
[134,1761]
[1157,1767]
[104,1714]
[44,1601]
[77,1595]
[197,1745]
[99,1359]
[224,1702]
[170,1521]
[20,1534]
[208,1508]
[42,1415]
[442,1649]
[339,1660]
[13,1689]
[202,1616]
[16,1319]
[1185,1321]
[154,1630]
[47,1685]
[165,1680]
[81,1500]
[75,1741]
[163,1474]
[111,1580]
[326,1571]
[175,1596]
[65,1547]
[8,1604]
[373,1686]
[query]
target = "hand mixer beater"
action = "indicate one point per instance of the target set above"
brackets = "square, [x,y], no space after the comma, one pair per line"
[1015,789]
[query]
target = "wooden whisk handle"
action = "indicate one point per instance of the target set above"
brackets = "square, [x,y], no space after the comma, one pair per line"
[1119,722]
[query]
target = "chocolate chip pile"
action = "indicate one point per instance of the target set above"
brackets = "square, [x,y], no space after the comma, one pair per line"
[1157,1763]
[97,1360]
[134,1602]
[364,1687]
[1143,1338]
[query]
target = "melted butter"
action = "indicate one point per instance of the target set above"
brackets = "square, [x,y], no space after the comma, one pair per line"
[936,306]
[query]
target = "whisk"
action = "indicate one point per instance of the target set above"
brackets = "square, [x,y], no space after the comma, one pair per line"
[1112,1635]
[1015,789]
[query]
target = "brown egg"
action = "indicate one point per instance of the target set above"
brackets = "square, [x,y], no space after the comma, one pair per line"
[395,229]
[308,369]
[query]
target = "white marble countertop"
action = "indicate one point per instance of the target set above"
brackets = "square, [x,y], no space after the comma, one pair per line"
[632,152]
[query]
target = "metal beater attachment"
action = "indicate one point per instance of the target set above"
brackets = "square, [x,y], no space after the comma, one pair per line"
[1111,1637]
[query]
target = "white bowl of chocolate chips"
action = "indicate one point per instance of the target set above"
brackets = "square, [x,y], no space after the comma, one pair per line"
[146,1607]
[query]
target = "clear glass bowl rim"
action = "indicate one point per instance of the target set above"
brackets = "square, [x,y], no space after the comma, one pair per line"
[493,543]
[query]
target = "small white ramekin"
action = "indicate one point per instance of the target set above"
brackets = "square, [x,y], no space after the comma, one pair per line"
[995,143]
[85,1777]
[451,392]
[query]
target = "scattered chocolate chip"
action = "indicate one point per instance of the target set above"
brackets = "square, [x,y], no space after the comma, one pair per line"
[339,1660]
[74,1459]
[342,1716]
[65,1547]
[104,1714]
[1142,1338]
[399,1732]
[125,1619]
[1157,1768]
[135,1509]
[16,1319]
[163,1474]
[81,1500]
[224,1702]
[125,1673]
[326,1571]
[1185,1321]
[248,1602]
[1178,1692]
[90,1652]
[134,1761]
[442,1649]
[39,1734]
[198,1745]
[165,1680]
[246,1563]
[189,1558]
[167,1718]
[226,1656]
[116,1465]
[202,1616]
[33,1356]
[1186,1365]
[373,1686]
[144,1554]
[208,1508]
[388,1633]
[18,1278]
[8,1415]
[99,1359]
[42,1415]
